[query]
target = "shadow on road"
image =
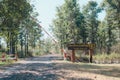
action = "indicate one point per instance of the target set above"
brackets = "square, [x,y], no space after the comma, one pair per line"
[44,68]
[111,71]
[44,58]
[30,76]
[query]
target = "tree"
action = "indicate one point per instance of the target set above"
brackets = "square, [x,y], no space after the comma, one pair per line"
[66,26]
[102,37]
[90,12]
[113,20]
[12,13]
[29,36]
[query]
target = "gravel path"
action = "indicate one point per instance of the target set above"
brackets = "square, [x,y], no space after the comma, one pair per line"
[51,67]
[37,68]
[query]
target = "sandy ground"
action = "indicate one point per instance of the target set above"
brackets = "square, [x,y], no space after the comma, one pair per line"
[52,67]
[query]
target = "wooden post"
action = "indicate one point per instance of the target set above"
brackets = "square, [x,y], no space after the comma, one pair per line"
[16,57]
[73,56]
[65,57]
[90,54]
[3,57]
[64,54]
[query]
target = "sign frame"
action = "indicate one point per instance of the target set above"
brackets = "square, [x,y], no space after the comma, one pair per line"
[80,46]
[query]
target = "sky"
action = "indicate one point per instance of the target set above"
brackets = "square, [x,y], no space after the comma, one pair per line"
[47,10]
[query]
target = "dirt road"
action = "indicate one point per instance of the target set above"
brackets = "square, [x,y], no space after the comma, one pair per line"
[51,67]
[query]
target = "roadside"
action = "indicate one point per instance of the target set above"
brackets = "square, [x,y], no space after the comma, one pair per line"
[52,67]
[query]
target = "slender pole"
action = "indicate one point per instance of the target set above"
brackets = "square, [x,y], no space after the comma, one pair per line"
[43,29]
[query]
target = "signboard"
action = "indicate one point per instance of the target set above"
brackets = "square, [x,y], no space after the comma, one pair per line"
[80,46]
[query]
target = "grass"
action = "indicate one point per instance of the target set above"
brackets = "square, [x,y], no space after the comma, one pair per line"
[88,69]
[100,58]
[2,63]
[106,57]
[7,62]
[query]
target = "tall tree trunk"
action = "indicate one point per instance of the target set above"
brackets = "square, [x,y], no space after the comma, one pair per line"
[13,47]
[34,44]
[0,43]
[13,41]
[26,44]
[84,38]
[109,41]
[21,44]
[22,55]
[9,42]
[119,32]
[93,36]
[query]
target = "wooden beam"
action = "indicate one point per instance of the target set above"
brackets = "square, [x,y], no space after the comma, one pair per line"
[73,56]
[90,54]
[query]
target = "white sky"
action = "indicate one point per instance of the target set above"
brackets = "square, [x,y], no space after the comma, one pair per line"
[47,10]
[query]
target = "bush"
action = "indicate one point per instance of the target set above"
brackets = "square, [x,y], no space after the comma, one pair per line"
[104,57]
[116,48]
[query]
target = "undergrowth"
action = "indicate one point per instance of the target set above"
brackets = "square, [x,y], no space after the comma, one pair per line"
[104,56]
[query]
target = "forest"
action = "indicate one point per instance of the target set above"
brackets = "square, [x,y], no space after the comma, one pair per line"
[26,54]
[72,24]
[17,28]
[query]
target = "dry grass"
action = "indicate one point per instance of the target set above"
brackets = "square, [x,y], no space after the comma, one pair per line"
[86,71]
[105,58]
[64,70]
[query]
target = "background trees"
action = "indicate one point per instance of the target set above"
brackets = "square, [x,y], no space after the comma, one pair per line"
[113,21]
[16,25]
[67,22]
[71,25]
[91,11]
[74,26]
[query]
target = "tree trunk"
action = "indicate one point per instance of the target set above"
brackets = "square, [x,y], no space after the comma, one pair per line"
[21,44]
[109,41]
[13,41]
[26,44]
[119,33]
[22,55]
[13,47]
[0,44]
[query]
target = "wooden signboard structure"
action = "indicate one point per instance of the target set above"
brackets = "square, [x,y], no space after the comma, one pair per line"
[74,47]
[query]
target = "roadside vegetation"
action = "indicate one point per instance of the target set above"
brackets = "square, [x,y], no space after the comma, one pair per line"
[76,25]
[104,58]
[22,34]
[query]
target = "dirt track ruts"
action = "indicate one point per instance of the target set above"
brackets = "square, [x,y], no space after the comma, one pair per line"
[51,67]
